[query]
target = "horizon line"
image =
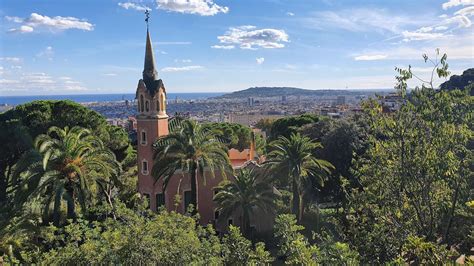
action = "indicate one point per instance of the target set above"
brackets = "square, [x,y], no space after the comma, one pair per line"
[224,92]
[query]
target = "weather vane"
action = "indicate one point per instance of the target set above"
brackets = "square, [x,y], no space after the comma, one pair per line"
[147,17]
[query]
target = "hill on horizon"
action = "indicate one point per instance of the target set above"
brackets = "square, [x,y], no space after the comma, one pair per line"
[288,91]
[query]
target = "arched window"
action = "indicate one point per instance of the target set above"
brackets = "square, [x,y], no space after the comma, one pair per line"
[157,105]
[163,102]
[147,106]
[141,103]
[143,140]
[145,167]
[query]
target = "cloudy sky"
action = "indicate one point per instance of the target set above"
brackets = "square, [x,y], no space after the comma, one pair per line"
[90,46]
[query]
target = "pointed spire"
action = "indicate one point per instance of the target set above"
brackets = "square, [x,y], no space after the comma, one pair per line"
[149,70]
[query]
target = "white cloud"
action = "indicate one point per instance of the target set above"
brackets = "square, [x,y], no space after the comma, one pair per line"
[8,82]
[39,83]
[199,7]
[46,53]
[134,6]
[291,14]
[224,47]
[441,28]
[425,29]
[421,36]
[461,21]
[57,23]
[13,60]
[467,11]
[363,20]
[260,60]
[459,48]
[370,57]
[110,74]
[179,69]
[14,19]
[249,37]
[22,29]
[182,60]
[454,3]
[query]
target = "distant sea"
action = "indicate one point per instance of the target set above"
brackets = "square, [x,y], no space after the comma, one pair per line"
[85,98]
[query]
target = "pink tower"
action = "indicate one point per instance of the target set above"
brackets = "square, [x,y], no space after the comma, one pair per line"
[152,121]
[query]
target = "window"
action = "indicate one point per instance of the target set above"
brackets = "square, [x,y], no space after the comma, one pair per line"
[147,199]
[230,222]
[187,200]
[216,215]
[141,103]
[145,167]
[147,106]
[157,105]
[143,137]
[160,200]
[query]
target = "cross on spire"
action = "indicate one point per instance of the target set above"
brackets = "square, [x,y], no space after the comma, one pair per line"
[147,17]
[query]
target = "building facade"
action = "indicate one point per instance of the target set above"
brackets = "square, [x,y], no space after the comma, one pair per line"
[152,123]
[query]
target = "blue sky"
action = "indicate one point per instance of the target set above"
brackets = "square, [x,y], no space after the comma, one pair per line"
[91,46]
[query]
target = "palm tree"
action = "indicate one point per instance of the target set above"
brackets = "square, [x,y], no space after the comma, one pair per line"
[293,157]
[61,168]
[247,194]
[192,149]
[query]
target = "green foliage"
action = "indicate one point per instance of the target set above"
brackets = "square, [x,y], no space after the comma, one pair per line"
[293,246]
[417,251]
[338,253]
[236,248]
[248,194]
[288,125]
[38,116]
[265,124]
[292,161]
[342,141]
[60,168]
[166,238]
[236,136]
[261,256]
[19,126]
[416,174]
[133,238]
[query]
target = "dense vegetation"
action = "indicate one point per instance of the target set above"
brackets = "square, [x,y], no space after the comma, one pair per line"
[373,188]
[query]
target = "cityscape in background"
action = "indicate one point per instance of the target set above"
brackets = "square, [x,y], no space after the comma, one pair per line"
[120,110]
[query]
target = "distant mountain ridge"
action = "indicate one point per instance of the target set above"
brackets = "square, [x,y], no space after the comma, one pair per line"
[285,91]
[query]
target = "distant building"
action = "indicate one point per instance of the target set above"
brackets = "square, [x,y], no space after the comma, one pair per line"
[391,102]
[132,124]
[250,101]
[341,100]
[250,119]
